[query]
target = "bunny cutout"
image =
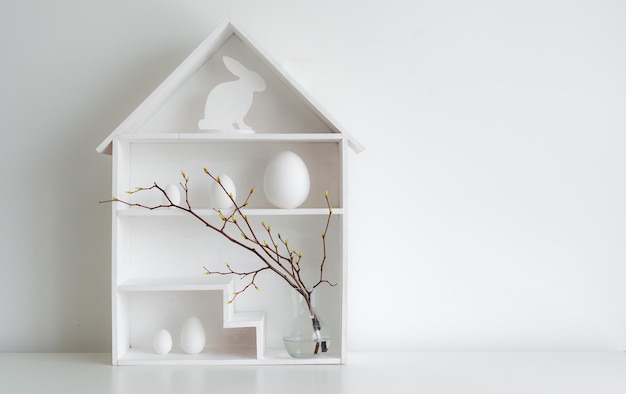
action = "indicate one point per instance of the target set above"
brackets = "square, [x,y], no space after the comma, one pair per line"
[229,102]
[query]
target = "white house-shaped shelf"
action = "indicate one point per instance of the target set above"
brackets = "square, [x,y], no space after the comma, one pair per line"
[159,256]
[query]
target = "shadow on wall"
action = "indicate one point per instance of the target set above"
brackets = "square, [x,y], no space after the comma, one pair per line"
[60,240]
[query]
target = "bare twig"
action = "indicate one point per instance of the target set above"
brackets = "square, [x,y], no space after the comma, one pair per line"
[284,264]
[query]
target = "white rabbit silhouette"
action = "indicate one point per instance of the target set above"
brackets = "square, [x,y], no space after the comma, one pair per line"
[228,103]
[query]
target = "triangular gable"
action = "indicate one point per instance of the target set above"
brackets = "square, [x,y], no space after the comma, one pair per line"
[153,103]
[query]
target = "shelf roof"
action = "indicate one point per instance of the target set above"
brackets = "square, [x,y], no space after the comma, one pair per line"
[194,62]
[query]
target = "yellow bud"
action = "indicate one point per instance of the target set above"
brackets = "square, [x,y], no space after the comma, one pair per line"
[128,192]
[326,194]
[252,190]
[330,209]
[269,228]
[263,224]
[256,287]
[300,255]
[219,180]
[244,236]
[115,198]
[183,174]
[230,302]
[323,234]
[205,170]
[208,273]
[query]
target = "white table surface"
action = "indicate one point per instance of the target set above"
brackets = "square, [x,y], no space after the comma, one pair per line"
[502,373]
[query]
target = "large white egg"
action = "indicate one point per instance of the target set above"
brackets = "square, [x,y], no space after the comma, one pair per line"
[192,336]
[220,199]
[286,182]
[173,192]
[162,341]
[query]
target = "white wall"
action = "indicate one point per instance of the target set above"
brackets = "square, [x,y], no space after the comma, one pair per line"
[488,208]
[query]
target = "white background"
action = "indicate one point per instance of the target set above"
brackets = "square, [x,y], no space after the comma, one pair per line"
[488,210]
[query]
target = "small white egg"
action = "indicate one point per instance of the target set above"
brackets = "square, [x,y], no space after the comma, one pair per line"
[219,198]
[192,336]
[162,341]
[173,192]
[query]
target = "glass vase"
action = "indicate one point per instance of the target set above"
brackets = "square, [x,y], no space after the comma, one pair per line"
[306,334]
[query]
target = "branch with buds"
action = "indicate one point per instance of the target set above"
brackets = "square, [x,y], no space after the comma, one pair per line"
[274,252]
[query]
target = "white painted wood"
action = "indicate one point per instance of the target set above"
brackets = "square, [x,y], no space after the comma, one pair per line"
[221,357]
[265,137]
[190,283]
[194,62]
[160,253]
[159,256]
[119,329]
[231,319]
[344,240]
[248,212]
[163,161]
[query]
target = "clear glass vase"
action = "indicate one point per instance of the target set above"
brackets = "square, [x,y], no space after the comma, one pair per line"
[306,335]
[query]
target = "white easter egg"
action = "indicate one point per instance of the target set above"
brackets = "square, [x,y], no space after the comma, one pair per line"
[173,192]
[162,341]
[192,336]
[219,198]
[286,182]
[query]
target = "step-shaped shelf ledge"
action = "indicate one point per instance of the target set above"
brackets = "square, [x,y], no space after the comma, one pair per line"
[231,319]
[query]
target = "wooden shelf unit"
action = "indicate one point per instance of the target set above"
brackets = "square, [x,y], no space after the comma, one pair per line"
[159,255]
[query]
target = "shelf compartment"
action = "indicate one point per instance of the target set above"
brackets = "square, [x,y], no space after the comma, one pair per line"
[154,303]
[145,163]
[239,353]
[159,255]
[180,245]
